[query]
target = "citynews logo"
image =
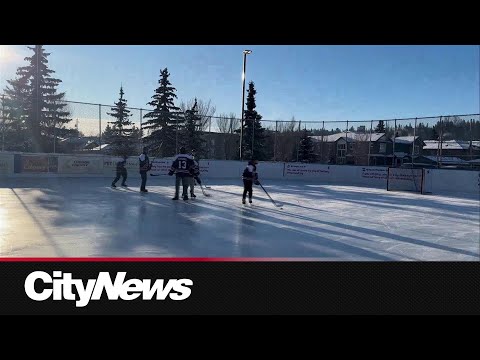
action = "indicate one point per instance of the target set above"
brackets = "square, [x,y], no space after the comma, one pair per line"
[131,289]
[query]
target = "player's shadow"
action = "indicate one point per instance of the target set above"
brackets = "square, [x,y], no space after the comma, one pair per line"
[46,234]
[281,238]
[375,232]
[389,201]
[128,223]
[387,235]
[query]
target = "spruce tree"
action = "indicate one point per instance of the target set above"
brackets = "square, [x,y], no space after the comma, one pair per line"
[108,134]
[121,137]
[253,130]
[33,104]
[306,150]
[164,123]
[192,139]
[380,128]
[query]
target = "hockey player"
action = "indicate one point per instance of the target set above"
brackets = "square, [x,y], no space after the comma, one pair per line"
[182,167]
[250,177]
[121,171]
[144,167]
[195,177]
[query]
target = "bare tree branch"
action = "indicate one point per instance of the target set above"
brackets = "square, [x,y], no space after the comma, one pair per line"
[227,123]
[205,111]
[223,123]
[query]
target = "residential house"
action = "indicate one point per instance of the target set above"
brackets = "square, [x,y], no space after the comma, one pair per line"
[431,161]
[77,143]
[405,146]
[465,150]
[354,148]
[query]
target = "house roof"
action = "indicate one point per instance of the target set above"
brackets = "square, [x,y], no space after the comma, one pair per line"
[349,136]
[448,145]
[405,139]
[77,140]
[98,148]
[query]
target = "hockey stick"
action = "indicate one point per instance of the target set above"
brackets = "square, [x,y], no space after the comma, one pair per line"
[206,187]
[273,201]
[203,191]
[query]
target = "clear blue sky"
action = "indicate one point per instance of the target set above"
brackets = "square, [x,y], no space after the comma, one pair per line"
[312,83]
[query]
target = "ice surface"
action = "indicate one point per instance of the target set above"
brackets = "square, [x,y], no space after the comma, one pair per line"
[84,217]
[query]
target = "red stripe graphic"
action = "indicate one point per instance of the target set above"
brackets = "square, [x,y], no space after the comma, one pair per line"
[161,259]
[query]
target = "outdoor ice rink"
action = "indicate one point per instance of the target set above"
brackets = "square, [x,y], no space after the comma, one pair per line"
[84,217]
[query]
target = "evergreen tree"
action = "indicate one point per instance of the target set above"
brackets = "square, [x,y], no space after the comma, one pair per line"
[193,131]
[380,128]
[164,122]
[306,150]
[121,137]
[33,104]
[13,124]
[434,134]
[108,134]
[253,130]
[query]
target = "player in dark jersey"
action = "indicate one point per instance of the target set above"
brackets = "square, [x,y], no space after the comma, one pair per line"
[145,166]
[182,167]
[195,177]
[250,177]
[121,172]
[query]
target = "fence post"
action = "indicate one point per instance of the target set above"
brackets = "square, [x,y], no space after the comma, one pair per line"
[299,137]
[100,127]
[141,130]
[54,127]
[438,145]
[413,144]
[394,159]
[471,141]
[275,142]
[253,135]
[321,144]
[3,122]
[176,134]
[346,144]
[370,142]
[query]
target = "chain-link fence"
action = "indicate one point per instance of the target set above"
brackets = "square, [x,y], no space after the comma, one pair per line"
[442,141]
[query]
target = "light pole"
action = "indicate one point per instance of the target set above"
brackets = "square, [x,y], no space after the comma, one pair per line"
[245,53]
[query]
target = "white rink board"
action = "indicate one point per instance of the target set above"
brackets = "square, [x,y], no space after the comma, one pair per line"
[6,164]
[373,176]
[80,165]
[455,181]
[299,171]
[269,170]
[436,181]
[224,169]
